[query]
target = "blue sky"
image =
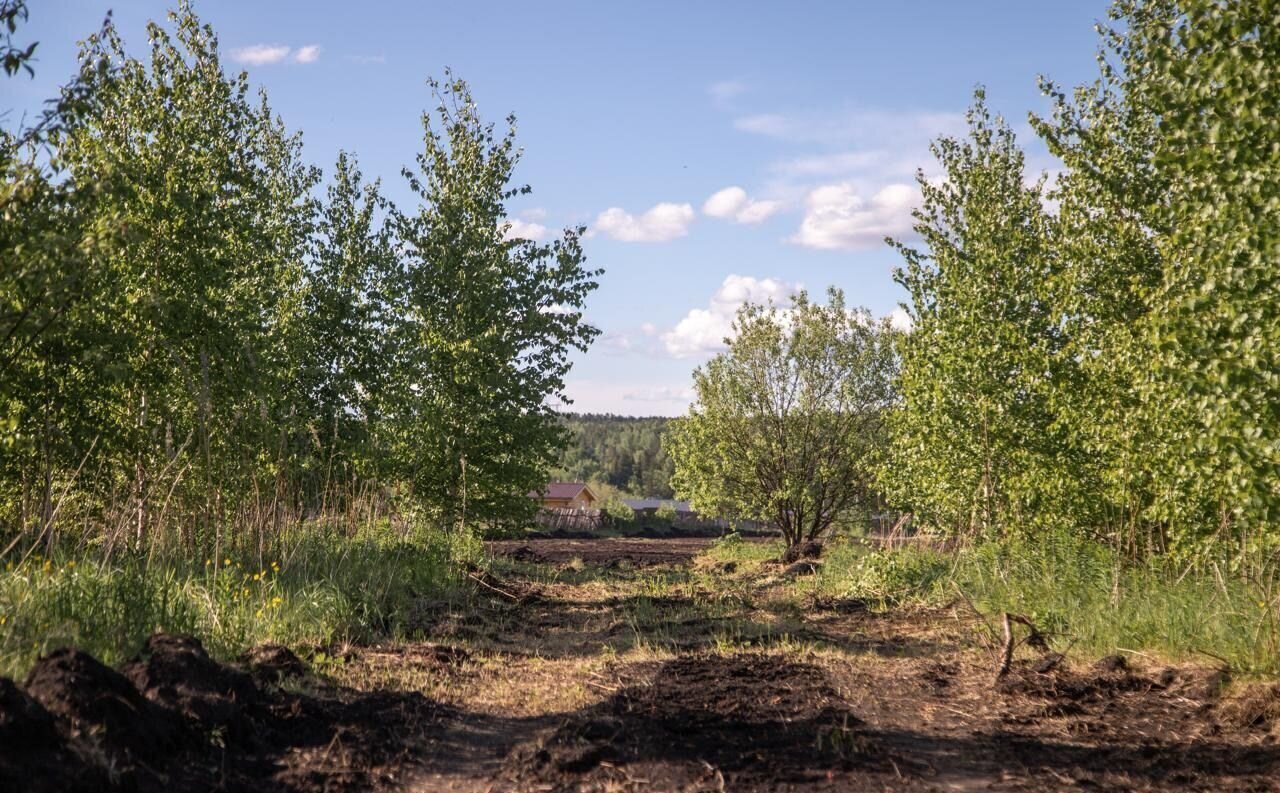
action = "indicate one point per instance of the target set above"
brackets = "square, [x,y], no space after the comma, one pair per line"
[717,151]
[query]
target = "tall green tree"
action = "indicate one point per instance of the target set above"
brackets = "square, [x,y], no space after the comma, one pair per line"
[347,309]
[1169,290]
[1210,72]
[52,249]
[192,315]
[976,447]
[484,328]
[788,425]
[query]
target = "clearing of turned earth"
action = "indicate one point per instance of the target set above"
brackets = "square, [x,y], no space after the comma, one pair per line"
[638,665]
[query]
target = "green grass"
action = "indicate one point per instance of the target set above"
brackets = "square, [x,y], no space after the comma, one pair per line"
[324,587]
[1080,591]
[1071,587]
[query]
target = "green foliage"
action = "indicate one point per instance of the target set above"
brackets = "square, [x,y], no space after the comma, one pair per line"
[320,588]
[15,56]
[666,513]
[1108,365]
[974,446]
[621,451]
[484,328]
[884,578]
[1086,593]
[1207,71]
[617,510]
[788,424]
[199,351]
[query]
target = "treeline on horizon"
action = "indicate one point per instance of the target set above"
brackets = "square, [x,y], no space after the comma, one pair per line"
[203,340]
[624,452]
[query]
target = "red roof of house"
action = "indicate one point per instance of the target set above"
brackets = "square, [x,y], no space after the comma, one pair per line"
[565,490]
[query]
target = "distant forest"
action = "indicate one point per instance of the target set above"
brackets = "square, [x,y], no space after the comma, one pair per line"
[621,451]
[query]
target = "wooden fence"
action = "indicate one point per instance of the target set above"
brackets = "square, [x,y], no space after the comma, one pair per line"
[569,519]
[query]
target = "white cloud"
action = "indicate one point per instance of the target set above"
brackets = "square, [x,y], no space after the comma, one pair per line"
[732,203]
[703,330]
[900,319]
[839,216]
[533,214]
[263,54]
[662,223]
[644,398]
[615,343]
[260,54]
[853,126]
[520,230]
[724,92]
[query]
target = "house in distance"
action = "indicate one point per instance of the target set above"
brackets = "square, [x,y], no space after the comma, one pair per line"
[566,495]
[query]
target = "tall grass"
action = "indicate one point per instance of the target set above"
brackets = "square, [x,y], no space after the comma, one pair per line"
[321,585]
[1076,589]
[1222,607]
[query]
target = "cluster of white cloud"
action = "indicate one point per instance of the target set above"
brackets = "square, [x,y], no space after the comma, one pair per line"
[732,203]
[900,319]
[703,330]
[262,54]
[662,223]
[517,229]
[841,216]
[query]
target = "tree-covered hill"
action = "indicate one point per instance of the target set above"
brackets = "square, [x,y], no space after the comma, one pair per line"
[622,451]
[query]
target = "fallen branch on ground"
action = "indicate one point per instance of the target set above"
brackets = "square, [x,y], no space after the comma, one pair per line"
[479,580]
[1034,639]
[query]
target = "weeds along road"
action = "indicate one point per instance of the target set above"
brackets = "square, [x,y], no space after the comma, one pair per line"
[643,665]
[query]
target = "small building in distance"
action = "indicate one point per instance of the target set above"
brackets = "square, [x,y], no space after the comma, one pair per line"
[566,495]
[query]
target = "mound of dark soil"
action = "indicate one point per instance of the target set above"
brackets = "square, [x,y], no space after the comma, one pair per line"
[175,719]
[176,672]
[524,553]
[100,706]
[745,722]
[802,567]
[1059,684]
[34,756]
[1257,707]
[602,552]
[810,549]
[273,663]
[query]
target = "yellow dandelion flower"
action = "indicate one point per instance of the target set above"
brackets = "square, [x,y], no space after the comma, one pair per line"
[226,562]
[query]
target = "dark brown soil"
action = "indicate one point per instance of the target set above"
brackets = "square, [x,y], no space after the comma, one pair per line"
[752,721]
[173,719]
[620,551]
[604,681]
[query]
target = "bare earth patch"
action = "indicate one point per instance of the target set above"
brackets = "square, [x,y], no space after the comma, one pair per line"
[630,665]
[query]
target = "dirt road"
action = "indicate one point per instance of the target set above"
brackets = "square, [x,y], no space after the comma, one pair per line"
[635,665]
